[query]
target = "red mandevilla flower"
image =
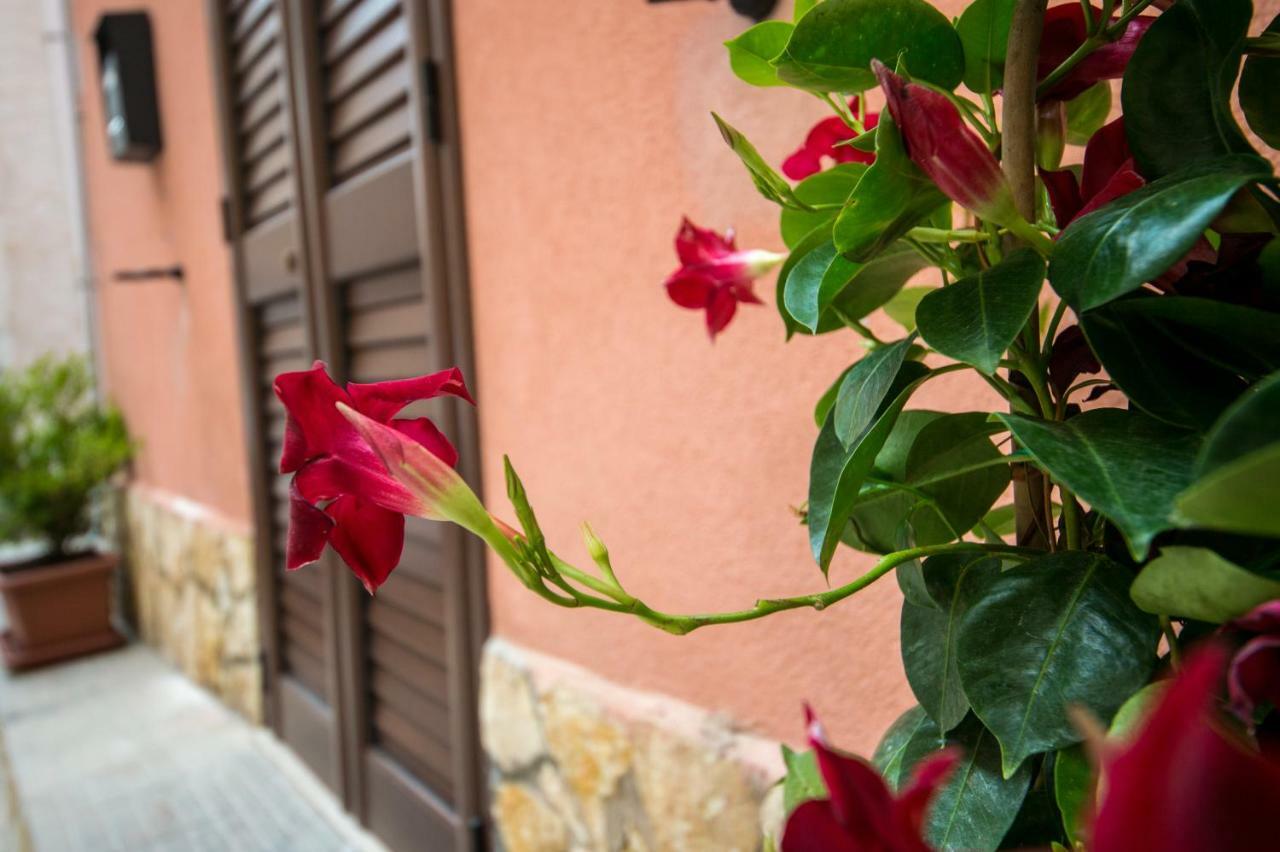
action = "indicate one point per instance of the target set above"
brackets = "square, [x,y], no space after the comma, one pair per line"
[1184,785]
[1065,30]
[341,493]
[1108,174]
[714,276]
[824,141]
[1254,677]
[862,813]
[946,149]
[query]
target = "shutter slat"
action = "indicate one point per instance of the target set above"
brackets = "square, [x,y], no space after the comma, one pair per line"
[408,666]
[397,323]
[271,166]
[391,727]
[421,638]
[413,597]
[306,668]
[378,141]
[411,703]
[357,25]
[389,90]
[400,286]
[271,199]
[359,65]
[389,362]
[262,39]
[248,16]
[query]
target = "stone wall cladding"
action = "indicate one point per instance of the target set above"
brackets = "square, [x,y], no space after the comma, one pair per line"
[581,764]
[192,587]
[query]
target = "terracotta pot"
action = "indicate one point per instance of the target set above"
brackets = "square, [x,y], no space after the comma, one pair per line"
[57,610]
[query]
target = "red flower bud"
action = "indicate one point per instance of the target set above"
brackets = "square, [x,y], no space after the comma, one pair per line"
[946,149]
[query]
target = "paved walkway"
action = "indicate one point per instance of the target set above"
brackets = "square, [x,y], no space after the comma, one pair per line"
[120,753]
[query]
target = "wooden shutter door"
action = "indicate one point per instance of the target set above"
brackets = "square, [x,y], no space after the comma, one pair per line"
[277,331]
[372,110]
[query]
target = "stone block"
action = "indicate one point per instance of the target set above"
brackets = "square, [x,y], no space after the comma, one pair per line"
[510,724]
[525,822]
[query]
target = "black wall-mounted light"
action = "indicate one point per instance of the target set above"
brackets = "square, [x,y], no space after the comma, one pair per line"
[756,10]
[126,73]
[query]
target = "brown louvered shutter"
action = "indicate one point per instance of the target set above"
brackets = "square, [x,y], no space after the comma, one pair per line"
[277,328]
[378,283]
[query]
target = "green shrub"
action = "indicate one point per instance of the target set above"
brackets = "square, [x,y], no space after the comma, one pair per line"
[57,446]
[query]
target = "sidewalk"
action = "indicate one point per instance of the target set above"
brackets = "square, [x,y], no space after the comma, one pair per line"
[120,753]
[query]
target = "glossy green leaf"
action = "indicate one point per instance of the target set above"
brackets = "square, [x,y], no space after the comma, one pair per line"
[1240,496]
[984,32]
[976,319]
[1080,640]
[828,399]
[902,307]
[1178,84]
[1133,712]
[978,805]
[833,186]
[750,53]
[803,781]
[837,471]
[929,635]
[825,288]
[770,184]
[1087,112]
[880,520]
[1073,789]
[1248,425]
[892,197]
[893,745]
[1259,84]
[1124,464]
[1194,582]
[864,389]
[833,45]
[811,242]
[802,8]
[1137,237]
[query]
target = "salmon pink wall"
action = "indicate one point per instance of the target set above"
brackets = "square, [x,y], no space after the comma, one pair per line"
[587,135]
[169,350]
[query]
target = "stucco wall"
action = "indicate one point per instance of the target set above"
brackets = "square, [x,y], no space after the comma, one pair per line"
[168,349]
[42,294]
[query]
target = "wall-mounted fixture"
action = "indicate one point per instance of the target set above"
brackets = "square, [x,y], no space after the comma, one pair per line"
[756,10]
[126,72]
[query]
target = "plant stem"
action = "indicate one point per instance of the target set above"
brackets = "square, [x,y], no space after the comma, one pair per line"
[944,235]
[1070,517]
[1106,33]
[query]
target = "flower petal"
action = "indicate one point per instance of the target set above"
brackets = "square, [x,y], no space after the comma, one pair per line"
[369,539]
[696,245]
[1122,183]
[1065,30]
[1106,153]
[720,310]
[309,530]
[425,433]
[813,827]
[926,780]
[1254,676]
[314,427]
[330,477]
[689,288]
[801,164]
[383,400]
[860,799]
[1064,194]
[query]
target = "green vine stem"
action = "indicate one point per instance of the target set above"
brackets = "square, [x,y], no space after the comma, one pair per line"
[1096,40]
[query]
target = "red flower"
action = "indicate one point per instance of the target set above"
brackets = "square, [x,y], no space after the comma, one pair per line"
[1183,785]
[822,141]
[341,493]
[714,276]
[1064,31]
[946,149]
[863,814]
[1254,677]
[1108,174]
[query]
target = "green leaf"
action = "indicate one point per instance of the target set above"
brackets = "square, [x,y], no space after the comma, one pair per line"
[892,197]
[1124,464]
[1137,237]
[1177,87]
[977,318]
[1087,112]
[928,636]
[1238,470]
[954,464]
[1079,641]
[1073,788]
[837,472]
[770,184]
[824,287]
[863,392]
[1238,497]
[812,241]
[978,805]
[1258,86]
[833,45]
[1182,359]
[1133,711]
[828,399]
[1194,582]
[833,186]
[893,745]
[902,307]
[984,31]
[802,8]
[803,781]
[750,54]
[1247,426]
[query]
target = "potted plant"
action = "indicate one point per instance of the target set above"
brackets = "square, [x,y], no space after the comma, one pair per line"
[58,445]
